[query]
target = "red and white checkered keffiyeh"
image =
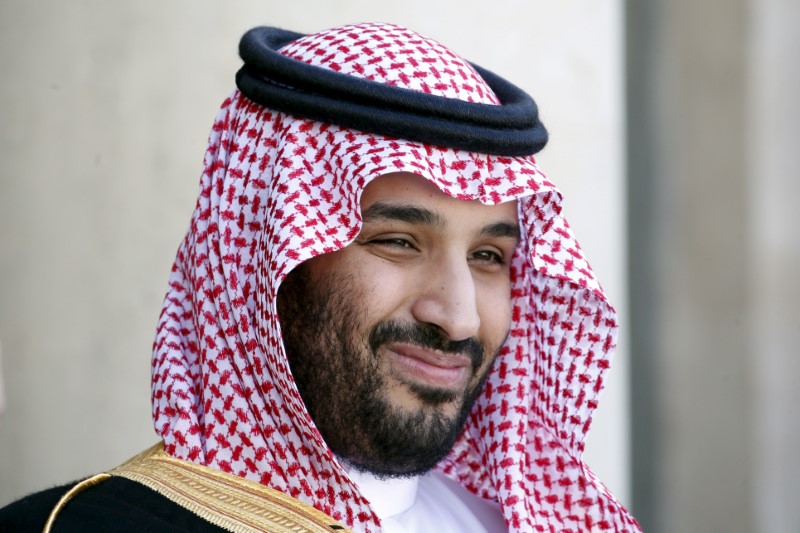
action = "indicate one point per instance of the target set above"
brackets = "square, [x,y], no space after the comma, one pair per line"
[278,190]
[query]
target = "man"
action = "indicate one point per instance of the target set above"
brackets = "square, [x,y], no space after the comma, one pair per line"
[378,319]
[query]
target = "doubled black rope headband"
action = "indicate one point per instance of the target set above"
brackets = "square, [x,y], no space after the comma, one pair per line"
[291,86]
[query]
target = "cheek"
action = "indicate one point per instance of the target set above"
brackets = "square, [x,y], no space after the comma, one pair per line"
[494,307]
[379,288]
[386,289]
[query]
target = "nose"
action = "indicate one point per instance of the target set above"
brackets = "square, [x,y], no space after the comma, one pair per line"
[448,299]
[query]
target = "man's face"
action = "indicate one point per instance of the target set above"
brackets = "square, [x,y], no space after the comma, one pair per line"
[390,338]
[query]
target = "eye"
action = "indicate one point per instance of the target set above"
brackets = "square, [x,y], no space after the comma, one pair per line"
[389,243]
[394,242]
[488,257]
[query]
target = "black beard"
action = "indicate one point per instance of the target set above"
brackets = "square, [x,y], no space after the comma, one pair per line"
[337,371]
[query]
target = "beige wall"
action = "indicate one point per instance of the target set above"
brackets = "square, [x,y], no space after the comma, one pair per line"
[715,126]
[104,112]
[774,112]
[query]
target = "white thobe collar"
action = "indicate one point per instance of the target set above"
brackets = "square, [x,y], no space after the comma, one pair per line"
[388,497]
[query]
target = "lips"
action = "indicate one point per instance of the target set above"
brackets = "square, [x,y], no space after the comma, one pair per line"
[429,367]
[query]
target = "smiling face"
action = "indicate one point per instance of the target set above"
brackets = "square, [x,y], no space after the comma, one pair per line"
[390,338]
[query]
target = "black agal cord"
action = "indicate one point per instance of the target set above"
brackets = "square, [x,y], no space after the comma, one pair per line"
[291,86]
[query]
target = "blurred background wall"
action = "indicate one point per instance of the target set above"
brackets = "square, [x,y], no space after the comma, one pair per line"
[104,112]
[714,240]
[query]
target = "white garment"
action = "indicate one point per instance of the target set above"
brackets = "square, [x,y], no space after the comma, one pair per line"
[430,503]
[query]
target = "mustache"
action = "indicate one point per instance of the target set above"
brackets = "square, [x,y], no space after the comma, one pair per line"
[426,336]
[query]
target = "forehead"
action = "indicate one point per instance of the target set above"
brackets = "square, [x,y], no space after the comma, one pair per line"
[404,188]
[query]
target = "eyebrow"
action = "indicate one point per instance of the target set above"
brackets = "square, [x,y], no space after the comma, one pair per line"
[412,214]
[502,229]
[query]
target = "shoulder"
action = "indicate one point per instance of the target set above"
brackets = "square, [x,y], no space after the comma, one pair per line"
[30,513]
[116,504]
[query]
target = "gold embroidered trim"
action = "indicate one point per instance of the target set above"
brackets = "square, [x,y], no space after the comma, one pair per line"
[225,500]
[83,485]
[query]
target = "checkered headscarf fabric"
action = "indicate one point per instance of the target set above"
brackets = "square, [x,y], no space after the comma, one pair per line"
[278,190]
